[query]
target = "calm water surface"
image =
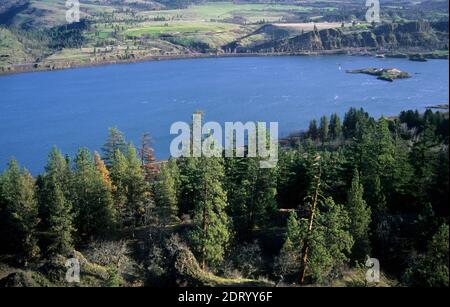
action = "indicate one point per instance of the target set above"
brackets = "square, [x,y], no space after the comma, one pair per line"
[74,108]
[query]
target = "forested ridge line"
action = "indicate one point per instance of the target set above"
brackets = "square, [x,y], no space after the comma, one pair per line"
[343,190]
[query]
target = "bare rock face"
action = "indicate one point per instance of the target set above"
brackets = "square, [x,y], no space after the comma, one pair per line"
[417,34]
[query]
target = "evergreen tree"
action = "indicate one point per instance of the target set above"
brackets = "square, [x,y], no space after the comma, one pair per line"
[92,199]
[322,239]
[424,159]
[324,128]
[131,192]
[118,173]
[335,127]
[360,217]
[313,131]
[354,121]
[251,192]
[54,204]
[439,187]
[59,219]
[188,174]
[137,190]
[385,151]
[58,167]
[115,142]
[211,233]
[165,192]
[18,213]
[289,260]
[399,180]
[329,241]
[431,269]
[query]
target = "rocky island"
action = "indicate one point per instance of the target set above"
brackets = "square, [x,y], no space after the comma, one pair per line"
[386,74]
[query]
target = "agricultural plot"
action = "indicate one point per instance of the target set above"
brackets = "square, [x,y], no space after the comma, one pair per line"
[224,11]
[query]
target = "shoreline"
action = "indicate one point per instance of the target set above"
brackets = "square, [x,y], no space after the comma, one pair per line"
[31,67]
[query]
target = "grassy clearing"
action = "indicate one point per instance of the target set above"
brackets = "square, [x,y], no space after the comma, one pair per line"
[71,55]
[227,10]
[159,29]
[11,49]
[309,26]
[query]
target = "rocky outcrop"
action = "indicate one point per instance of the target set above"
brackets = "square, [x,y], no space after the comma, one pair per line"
[411,35]
[385,74]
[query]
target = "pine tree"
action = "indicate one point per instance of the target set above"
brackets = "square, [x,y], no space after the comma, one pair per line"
[118,175]
[251,192]
[335,127]
[328,242]
[398,183]
[92,199]
[354,121]
[376,199]
[211,233]
[138,196]
[18,213]
[116,142]
[313,131]
[385,150]
[58,167]
[439,187]
[131,192]
[360,217]
[55,208]
[322,239]
[59,219]
[431,268]
[187,184]
[324,128]
[331,241]
[424,160]
[289,261]
[165,193]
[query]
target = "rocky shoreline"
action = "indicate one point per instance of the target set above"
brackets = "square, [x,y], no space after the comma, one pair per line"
[40,67]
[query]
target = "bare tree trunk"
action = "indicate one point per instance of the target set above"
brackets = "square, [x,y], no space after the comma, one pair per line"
[205,224]
[305,248]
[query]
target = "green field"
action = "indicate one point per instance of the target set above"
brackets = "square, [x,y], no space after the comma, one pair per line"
[180,27]
[228,10]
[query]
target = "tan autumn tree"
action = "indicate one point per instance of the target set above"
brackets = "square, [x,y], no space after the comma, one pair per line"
[147,155]
[103,170]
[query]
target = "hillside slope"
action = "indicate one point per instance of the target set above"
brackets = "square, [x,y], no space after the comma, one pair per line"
[418,35]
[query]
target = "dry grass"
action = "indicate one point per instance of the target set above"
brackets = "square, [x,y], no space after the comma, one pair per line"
[309,26]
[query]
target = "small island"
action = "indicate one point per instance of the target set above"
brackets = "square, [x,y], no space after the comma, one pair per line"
[418,58]
[385,74]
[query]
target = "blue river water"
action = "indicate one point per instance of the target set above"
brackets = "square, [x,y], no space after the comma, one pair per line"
[74,108]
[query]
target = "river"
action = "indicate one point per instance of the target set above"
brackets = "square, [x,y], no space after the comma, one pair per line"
[73,108]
